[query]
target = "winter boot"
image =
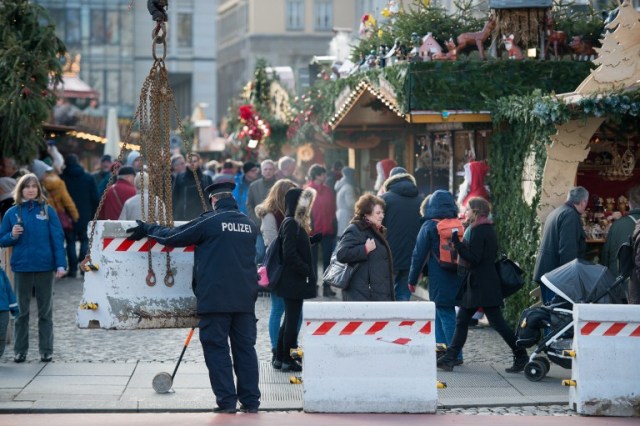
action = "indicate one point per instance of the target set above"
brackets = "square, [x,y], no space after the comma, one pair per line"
[448,360]
[520,359]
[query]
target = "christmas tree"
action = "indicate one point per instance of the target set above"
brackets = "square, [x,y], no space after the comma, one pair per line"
[618,64]
[29,70]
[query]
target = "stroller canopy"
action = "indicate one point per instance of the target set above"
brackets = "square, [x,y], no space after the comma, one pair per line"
[580,281]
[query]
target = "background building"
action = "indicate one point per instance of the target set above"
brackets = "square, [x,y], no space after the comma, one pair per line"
[115,47]
[283,32]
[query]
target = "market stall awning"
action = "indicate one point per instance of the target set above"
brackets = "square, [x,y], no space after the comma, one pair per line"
[365,105]
[453,116]
[73,87]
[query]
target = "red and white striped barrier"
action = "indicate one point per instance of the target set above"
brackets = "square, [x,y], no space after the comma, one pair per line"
[376,357]
[120,290]
[144,245]
[605,368]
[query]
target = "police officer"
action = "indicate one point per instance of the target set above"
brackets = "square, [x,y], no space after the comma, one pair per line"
[225,285]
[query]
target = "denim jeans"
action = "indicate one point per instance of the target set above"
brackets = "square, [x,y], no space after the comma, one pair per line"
[260,249]
[275,319]
[43,284]
[446,325]
[401,282]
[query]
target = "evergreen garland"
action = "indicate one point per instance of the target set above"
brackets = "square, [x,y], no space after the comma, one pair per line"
[29,68]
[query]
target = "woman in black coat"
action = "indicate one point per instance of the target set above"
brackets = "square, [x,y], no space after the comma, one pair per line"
[481,288]
[364,243]
[299,274]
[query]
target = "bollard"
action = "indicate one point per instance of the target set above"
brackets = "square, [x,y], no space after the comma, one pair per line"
[119,291]
[605,369]
[369,357]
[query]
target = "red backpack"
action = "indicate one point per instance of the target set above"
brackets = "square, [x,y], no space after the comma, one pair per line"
[447,255]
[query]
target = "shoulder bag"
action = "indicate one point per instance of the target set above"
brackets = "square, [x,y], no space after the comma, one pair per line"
[511,275]
[339,274]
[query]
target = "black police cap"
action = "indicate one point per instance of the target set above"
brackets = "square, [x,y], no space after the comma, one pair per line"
[220,186]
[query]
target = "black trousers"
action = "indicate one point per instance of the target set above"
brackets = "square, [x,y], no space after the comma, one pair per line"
[216,331]
[496,320]
[288,336]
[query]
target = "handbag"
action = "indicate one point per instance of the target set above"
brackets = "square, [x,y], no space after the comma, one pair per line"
[270,272]
[339,274]
[65,220]
[511,275]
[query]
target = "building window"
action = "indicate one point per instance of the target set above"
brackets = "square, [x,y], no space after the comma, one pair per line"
[185,30]
[67,25]
[323,15]
[98,31]
[295,14]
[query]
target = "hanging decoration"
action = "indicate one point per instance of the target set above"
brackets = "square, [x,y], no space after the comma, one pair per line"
[255,129]
[258,119]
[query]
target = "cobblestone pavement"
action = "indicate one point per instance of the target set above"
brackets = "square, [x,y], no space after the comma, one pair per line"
[72,344]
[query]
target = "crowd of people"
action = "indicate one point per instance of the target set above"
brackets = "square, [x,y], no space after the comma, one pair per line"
[390,233]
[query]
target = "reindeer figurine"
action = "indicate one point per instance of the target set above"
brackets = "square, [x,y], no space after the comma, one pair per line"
[452,53]
[513,51]
[558,38]
[477,38]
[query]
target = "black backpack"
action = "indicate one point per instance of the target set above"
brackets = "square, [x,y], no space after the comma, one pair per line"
[273,259]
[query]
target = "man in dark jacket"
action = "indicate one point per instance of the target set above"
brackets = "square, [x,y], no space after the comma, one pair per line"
[225,287]
[186,198]
[620,232]
[402,220]
[563,238]
[82,189]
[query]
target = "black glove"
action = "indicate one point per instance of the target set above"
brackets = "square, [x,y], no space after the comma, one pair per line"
[157,9]
[137,232]
[315,238]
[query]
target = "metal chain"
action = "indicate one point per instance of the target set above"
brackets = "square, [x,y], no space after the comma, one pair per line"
[153,112]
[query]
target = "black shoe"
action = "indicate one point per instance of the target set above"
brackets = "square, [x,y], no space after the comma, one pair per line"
[45,357]
[458,362]
[251,410]
[220,410]
[20,358]
[448,360]
[327,292]
[273,355]
[277,364]
[293,366]
[520,359]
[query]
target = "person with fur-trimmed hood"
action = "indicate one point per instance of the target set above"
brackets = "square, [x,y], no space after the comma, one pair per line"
[364,243]
[299,273]
[402,220]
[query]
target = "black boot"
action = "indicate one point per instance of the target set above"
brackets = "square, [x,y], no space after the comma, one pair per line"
[520,359]
[327,292]
[448,360]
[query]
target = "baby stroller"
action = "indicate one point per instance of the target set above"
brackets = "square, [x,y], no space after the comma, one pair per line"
[578,281]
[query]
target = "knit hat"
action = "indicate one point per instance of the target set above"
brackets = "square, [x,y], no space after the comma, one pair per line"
[6,187]
[248,166]
[39,168]
[397,171]
[126,170]
[105,157]
[133,155]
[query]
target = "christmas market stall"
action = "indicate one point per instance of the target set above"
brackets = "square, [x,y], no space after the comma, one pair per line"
[588,137]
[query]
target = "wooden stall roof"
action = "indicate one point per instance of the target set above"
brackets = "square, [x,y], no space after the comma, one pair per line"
[366,105]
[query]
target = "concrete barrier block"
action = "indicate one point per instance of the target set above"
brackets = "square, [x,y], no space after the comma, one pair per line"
[364,357]
[117,295]
[605,369]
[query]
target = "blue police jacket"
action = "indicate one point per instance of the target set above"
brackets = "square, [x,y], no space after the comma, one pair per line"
[224,268]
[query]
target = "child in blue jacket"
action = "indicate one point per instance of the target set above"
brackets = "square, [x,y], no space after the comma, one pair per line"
[8,304]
